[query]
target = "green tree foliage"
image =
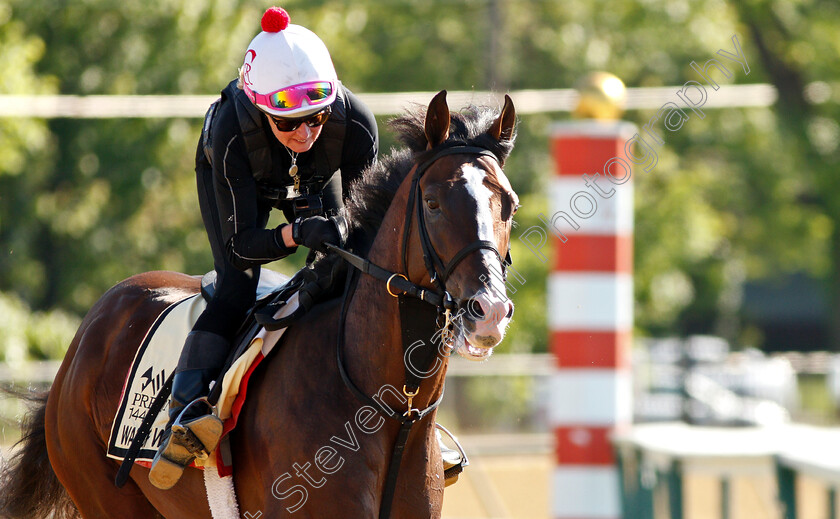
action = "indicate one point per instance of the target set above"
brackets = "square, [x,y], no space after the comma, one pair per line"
[108,198]
[25,334]
[796,46]
[21,142]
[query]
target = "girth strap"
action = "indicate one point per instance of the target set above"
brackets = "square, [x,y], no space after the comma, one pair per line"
[394,470]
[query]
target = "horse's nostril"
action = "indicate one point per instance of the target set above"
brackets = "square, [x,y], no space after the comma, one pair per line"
[510,311]
[474,310]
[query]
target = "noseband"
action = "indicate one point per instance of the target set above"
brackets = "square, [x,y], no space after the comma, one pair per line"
[418,306]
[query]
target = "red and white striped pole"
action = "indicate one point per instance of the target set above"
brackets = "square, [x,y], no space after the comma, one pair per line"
[590,312]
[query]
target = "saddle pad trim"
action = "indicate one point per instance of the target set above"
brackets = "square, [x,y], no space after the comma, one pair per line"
[225,468]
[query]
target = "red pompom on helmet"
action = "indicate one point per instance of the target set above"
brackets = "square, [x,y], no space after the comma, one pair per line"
[275,19]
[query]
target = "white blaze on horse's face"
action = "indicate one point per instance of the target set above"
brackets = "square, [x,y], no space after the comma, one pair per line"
[489,311]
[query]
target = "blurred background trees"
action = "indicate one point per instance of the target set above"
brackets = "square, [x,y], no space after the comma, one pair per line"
[737,227]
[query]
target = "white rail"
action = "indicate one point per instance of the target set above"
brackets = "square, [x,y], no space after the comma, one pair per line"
[31,372]
[526,101]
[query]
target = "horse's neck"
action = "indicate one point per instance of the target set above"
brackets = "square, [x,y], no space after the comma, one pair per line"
[375,351]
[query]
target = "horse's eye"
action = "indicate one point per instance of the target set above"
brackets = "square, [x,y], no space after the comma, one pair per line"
[509,207]
[432,204]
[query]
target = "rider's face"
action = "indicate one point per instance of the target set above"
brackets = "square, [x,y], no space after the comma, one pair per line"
[299,140]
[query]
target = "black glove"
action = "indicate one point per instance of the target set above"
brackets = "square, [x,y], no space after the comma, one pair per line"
[315,231]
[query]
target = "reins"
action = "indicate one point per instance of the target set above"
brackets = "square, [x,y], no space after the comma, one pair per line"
[420,310]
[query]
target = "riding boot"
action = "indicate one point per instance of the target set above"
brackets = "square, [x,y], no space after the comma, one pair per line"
[193,430]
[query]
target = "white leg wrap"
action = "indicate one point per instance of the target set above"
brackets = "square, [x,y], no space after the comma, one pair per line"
[220,495]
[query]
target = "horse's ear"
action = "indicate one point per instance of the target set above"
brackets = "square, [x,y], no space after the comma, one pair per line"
[437,120]
[502,129]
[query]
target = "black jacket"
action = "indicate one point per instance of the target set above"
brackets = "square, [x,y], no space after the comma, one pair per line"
[244,198]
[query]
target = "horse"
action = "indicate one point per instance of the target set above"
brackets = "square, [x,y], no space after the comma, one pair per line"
[306,445]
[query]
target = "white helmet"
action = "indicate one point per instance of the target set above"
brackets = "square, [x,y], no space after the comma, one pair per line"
[287,69]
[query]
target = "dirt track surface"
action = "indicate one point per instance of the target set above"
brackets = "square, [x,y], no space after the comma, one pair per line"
[517,486]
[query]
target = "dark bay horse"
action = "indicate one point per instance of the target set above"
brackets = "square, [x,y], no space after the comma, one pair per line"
[306,446]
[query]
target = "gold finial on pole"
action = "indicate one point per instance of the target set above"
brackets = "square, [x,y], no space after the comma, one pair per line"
[602,96]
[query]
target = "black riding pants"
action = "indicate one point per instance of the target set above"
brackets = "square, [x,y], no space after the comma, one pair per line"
[235,289]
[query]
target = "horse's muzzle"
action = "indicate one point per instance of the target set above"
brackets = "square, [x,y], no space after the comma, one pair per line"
[485,317]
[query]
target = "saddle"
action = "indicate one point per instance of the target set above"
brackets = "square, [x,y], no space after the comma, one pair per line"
[139,420]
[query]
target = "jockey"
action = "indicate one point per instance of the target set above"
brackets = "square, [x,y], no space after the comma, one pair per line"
[286,134]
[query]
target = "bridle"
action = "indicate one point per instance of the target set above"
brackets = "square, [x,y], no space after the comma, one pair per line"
[398,283]
[438,272]
[420,310]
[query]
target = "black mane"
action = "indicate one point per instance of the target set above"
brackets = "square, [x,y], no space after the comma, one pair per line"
[371,195]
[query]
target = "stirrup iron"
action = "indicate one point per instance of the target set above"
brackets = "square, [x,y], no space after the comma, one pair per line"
[455,470]
[186,437]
